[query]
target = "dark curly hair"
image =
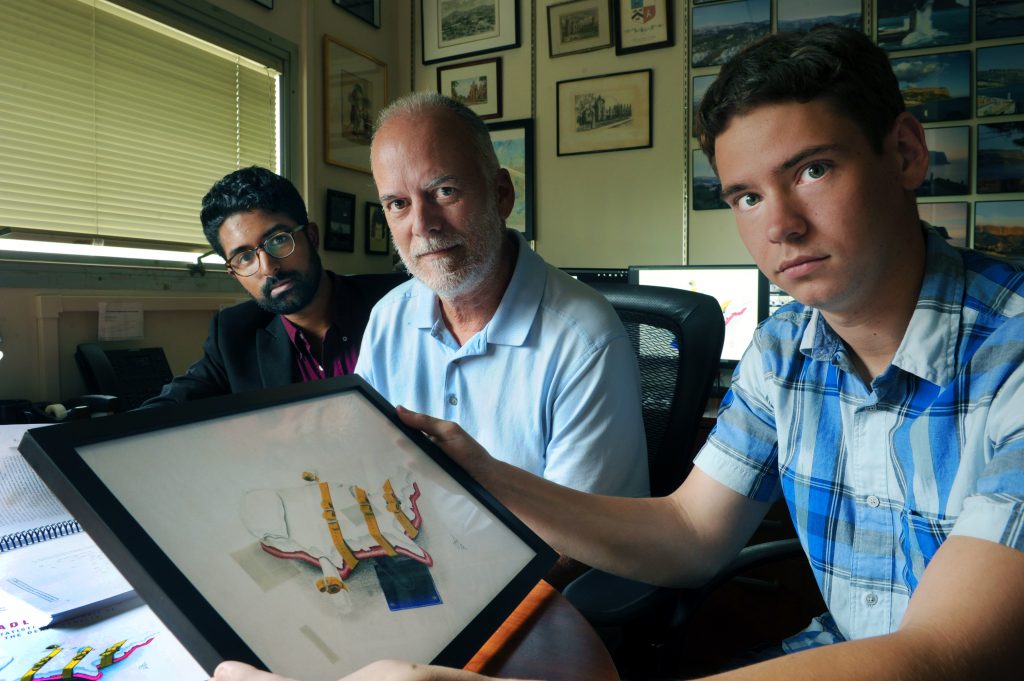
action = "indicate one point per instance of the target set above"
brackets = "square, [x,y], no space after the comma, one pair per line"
[840,65]
[251,188]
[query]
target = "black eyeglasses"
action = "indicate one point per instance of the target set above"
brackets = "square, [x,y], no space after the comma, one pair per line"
[277,245]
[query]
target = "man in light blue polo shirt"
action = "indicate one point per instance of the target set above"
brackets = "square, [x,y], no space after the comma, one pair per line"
[534,364]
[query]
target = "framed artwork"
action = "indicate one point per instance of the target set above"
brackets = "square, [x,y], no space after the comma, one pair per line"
[999,229]
[700,86]
[355,90]
[949,218]
[367,10]
[707,189]
[477,84]
[803,15]
[643,25]
[313,533]
[999,86]
[513,145]
[949,153]
[936,87]
[579,26]
[465,28]
[721,30]
[998,19]
[902,25]
[604,113]
[340,230]
[1001,158]
[377,242]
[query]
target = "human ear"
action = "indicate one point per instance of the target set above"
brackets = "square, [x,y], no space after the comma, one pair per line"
[912,150]
[313,234]
[505,192]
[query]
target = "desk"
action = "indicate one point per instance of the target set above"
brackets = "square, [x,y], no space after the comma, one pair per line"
[545,638]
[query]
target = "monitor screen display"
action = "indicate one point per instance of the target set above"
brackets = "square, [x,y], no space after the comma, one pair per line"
[741,291]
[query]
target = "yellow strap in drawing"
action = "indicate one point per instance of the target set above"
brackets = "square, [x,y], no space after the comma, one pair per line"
[107,656]
[396,507]
[31,673]
[332,526]
[69,669]
[371,522]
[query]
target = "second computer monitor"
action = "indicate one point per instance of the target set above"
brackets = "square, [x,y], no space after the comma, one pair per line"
[741,292]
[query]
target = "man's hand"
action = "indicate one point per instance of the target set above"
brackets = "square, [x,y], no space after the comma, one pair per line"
[450,437]
[383,670]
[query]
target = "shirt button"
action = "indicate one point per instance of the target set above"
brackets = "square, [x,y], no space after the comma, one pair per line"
[873,501]
[453,400]
[344,339]
[871,599]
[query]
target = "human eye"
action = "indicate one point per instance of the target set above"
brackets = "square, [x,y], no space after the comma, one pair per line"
[445,192]
[813,172]
[746,201]
[277,240]
[395,204]
[242,259]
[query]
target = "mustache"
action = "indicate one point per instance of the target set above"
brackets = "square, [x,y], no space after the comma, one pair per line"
[270,282]
[436,243]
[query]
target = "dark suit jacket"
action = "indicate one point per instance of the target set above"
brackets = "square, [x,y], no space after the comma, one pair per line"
[248,348]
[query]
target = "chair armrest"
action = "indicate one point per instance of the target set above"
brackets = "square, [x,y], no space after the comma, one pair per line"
[606,600]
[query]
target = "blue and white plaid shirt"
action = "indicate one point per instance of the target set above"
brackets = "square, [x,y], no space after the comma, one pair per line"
[876,477]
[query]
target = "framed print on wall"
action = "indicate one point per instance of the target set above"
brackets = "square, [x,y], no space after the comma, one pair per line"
[998,19]
[803,15]
[949,218]
[935,87]
[477,84]
[355,90]
[999,86]
[643,25]
[340,230]
[367,10]
[902,25]
[579,26]
[604,113]
[949,167]
[465,28]
[722,29]
[707,189]
[513,145]
[1000,158]
[999,229]
[376,230]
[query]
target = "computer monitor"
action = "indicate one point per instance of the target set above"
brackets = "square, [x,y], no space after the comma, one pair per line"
[777,298]
[741,291]
[591,275]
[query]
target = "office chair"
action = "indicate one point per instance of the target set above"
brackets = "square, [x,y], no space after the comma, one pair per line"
[678,338]
[133,375]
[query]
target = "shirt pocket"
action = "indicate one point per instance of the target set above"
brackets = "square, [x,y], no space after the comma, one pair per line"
[921,535]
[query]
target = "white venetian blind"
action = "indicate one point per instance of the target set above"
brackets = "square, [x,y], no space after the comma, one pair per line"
[114,126]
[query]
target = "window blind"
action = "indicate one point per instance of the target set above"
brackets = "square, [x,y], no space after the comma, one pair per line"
[114,126]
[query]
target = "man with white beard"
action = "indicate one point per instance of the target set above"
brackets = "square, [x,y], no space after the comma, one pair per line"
[531,362]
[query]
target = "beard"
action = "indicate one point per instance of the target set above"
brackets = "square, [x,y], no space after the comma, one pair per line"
[475,257]
[304,287]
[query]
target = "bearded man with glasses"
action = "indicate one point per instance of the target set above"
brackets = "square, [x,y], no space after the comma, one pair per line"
[303,323]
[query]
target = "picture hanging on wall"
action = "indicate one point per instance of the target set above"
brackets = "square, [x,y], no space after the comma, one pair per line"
[450,29]
[948,161]
[367,10]
[1000,158]
[802,15]
[911,25]
[376,230]
[721,30]
[707,190]
[700,86]
[604,113]
[999,229]
[477,84]
[949,218]
[355,90]
[513,145]
[340,230]
[999,87]
[936,87]
[579,26]
[998,19]
[643,25]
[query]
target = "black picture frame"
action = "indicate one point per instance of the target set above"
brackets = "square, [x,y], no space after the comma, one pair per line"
[477,84]
[367,10]
[486,26]
[578,26]
[1000,158]
[340,221]
[999,80]
[200,461]
[377,240]
[648,27]
[899,25]
[610,112]
[936,87]
[513,144]
[716,34]
[993,21]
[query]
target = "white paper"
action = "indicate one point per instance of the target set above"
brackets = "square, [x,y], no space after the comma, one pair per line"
[25,501]
[120,321]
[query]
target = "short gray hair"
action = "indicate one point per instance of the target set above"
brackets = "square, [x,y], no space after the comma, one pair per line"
[421,102]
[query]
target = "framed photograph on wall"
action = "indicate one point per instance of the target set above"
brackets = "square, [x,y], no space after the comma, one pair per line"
[998,19]
[722,29]
[340,230]
[936,87]
[451,29]
[313,561]
[902,25]
[377,241]
[604,113]
[999,229]
[949,167]
[579,26]
[477,84]
[643,25]
[950,218]
[355,90]
[367,10]
[803,15]
[707,189]
[999,86]
[513,144]
[1000,158]
[700,86]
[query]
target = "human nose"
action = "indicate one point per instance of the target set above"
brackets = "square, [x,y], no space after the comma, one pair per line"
[424,218]
[786,220]
[268,263]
